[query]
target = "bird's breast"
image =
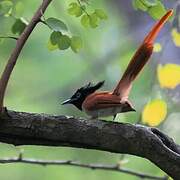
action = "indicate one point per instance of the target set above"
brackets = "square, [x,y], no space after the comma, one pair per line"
[104,112]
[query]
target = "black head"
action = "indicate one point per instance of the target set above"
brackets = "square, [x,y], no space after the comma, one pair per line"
[80,95]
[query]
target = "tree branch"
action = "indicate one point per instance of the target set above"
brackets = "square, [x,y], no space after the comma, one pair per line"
[115,168]
[19,45]
[40,129]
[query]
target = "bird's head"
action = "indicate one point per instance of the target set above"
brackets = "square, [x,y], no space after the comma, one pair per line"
[80,95]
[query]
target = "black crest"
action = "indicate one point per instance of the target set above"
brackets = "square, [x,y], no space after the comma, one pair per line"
[91,88]
[80,95]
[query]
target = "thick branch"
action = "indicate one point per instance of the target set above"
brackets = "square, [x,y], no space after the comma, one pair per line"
[19,45]
[40,129]
[115,168]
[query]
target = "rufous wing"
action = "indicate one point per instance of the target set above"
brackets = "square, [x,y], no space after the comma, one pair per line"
[139,59]
[101,100]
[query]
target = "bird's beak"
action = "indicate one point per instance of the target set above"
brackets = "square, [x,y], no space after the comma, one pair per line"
[69,101]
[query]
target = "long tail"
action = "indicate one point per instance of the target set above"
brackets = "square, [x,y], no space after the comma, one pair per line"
[157,27]
[140,58]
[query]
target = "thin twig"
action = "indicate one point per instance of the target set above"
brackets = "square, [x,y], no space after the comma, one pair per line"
[44,22]
[17,50]
[79,2]
[8,37]
[116,168]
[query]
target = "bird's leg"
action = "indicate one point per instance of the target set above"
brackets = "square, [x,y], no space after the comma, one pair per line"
[114,117]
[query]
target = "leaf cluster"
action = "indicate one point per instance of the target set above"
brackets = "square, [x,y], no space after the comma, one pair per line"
[14,9]
[154,8]
[92,19]
[59,38]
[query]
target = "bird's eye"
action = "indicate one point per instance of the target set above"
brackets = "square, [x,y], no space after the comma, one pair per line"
[78,95]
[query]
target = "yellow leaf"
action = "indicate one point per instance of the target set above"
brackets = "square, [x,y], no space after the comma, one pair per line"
[168,75]
[175,36]
[154,112]
[157,47]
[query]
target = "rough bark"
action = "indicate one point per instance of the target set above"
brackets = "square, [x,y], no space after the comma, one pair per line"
[20,128]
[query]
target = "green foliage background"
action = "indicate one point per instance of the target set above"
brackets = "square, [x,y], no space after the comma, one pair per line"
[42,79]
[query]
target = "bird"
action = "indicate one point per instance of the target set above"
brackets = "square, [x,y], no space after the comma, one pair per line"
[109,103]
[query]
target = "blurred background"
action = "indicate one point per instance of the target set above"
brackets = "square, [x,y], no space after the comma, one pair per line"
[42,79]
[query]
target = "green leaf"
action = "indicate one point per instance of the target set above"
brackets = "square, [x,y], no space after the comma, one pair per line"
[150,3]
[1,41]
[93,20]
[101,14]
[19,26]
[138,4]
[85,1]
[76,43]
[51,47]
[18,9]
[64,42]
[83,7]
[56,24]
[85,20]
[157,11]
[75,10]
[55,36]
[5,7]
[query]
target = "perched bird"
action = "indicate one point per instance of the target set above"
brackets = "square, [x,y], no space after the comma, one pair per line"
[105,103]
